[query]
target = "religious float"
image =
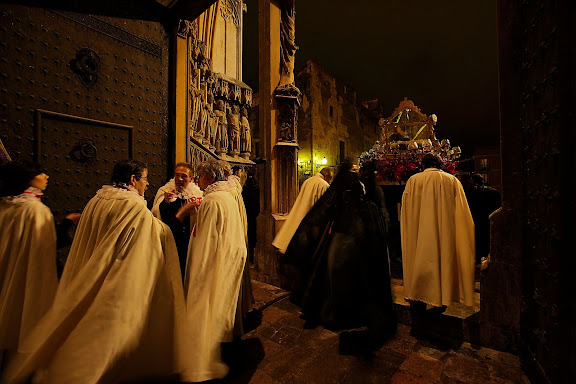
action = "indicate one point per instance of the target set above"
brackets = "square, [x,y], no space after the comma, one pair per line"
[407,135]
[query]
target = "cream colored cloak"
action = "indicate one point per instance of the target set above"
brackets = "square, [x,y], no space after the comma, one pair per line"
[245,296]
[216,258]
[28,277]
[437,240]
[236,191]
[311,190]
[119,309]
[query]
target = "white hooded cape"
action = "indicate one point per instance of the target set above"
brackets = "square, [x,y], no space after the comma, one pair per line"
[312,189]
[245,296]
[119,309]
[28,277]
[236,191]
[216,258]
[437,240]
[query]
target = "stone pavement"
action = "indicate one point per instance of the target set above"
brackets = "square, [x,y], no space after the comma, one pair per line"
[280,350]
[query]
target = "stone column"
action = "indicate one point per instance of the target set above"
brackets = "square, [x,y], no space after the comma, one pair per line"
[501,283]
[182,61]
[277,126]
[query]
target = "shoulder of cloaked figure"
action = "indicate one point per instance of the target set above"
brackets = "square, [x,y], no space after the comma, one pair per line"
[37,206]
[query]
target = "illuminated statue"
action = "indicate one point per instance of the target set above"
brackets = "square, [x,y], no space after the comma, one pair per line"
[221,140]
[211,124]
[288,42]
[245,134]
[234,130]
[195,101]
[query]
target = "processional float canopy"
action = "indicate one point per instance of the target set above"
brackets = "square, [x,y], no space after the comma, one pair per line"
[406,136]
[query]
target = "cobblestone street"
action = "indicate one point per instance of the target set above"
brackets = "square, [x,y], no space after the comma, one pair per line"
[280,350]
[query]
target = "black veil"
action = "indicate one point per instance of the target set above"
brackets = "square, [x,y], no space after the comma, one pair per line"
[341,252]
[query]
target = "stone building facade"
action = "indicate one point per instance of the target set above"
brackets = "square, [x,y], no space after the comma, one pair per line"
[488,164]
[332,125]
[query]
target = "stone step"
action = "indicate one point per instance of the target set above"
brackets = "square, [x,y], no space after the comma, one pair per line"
[455,324]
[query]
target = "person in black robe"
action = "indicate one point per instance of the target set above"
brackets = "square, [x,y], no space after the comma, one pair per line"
[251,196]
[483,200]
[175,202]
[340,250]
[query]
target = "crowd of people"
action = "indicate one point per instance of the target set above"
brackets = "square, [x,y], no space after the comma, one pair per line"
[334,246]
[152,294]
[144,294]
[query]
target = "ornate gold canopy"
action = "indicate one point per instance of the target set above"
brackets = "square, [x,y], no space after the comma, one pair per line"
[406,136]
[408,124]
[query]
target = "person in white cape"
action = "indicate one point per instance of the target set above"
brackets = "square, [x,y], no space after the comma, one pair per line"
[119,310]
[246,297]
[437,234]
[216,258]
[170,206]
[28,277]
[311,190]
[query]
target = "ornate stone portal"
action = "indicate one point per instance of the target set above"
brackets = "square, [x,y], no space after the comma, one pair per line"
[214,124]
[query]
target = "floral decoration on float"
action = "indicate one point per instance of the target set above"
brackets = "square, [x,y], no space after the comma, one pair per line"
[406,137]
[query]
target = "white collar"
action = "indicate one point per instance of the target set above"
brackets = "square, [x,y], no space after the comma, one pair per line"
[235,182]
[119,191]
[30,194]
[218,186]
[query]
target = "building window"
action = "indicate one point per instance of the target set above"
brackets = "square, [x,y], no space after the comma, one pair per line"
[485,177]
[331,111]
[484,163]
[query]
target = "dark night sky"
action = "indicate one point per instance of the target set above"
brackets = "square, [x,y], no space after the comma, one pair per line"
[441,54]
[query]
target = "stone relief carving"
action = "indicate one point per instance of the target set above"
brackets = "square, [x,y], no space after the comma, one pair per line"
[246,97]
[245,135]
[187,28]
[287,118]
[230,9]
[288,100]
[195,99]
[234,130]
[288,45]
[221,139]
[213,130]
[215,100]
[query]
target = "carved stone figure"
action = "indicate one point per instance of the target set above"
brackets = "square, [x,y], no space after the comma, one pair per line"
[234,130]
[205,113]
[195,105]
[208,133]
[247,97]
[245,135]
[287,41]
[213,132]
[287,122]
[221,142]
